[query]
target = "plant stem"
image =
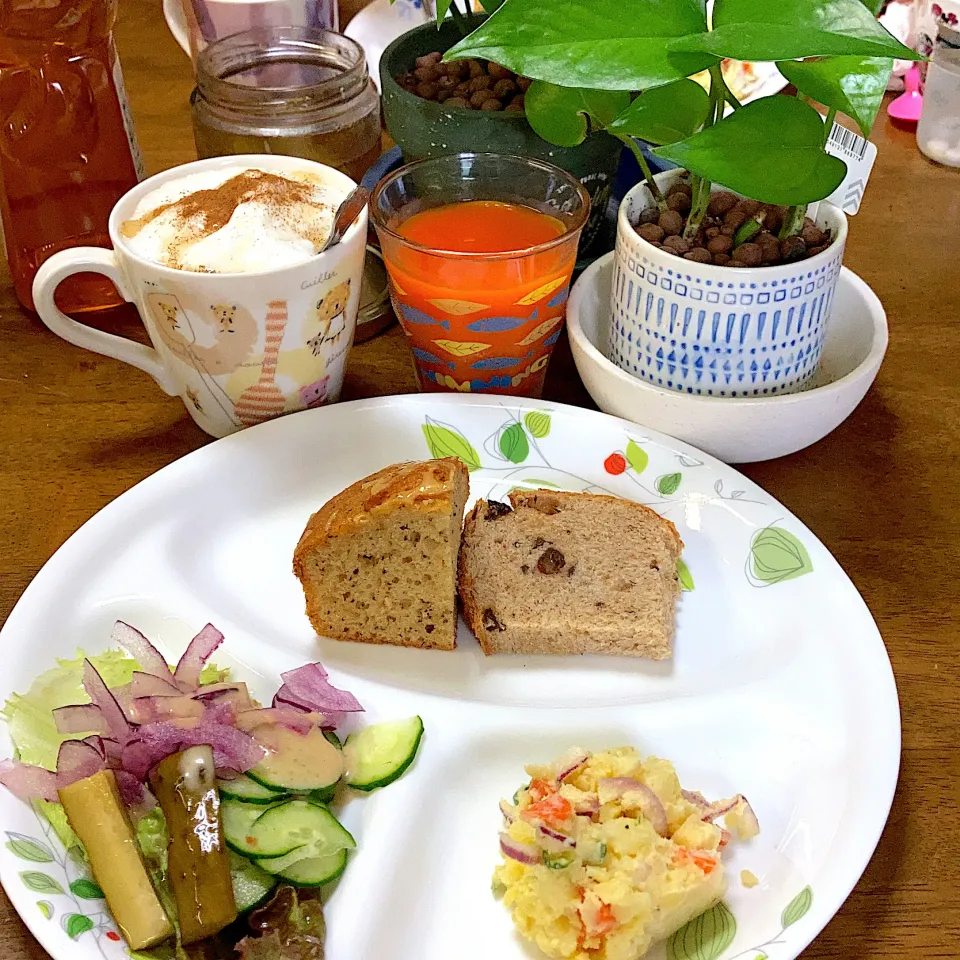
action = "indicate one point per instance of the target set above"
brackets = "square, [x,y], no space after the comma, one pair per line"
[793,222]
[728,94]
[459,19]
[701,187]
[655,191]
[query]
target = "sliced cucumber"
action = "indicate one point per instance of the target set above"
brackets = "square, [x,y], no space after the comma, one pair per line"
[331,735]
[296,762]
[251,885]
[249,791]
[380,753]
[238,819]
[297,825]
[316,871]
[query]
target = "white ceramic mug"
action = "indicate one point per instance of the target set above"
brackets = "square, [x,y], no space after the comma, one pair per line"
[237,348]
[719,331]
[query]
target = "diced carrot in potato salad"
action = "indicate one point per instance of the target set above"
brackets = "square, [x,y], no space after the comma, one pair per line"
[605,854]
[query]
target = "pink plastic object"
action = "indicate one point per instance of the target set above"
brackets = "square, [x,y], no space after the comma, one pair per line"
[908,105]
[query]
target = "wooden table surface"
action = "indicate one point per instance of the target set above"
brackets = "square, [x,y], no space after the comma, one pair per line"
[881,492]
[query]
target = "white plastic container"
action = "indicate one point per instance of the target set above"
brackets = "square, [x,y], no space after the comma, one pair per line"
[938,133]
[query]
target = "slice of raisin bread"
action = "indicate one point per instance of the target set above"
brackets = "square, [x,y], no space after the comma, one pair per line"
[570,573]
[378,562]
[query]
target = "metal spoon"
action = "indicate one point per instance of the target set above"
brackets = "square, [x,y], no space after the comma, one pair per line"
[347,212]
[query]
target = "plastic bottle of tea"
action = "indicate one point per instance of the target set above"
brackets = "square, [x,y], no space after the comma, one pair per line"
[68,151]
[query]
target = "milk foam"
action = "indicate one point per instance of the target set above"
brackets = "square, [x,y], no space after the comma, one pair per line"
[284,223]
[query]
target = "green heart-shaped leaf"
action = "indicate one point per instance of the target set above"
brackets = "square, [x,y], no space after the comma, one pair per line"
[637,457]
[86,889]
[852,85]
[705,937]
[596,44]
[514,444]
[771,150]
[76,924]
[560,114]
[797,908]
[665,114]
[26,848]
[40,882]
[445,441]
[789,29]
[538,423]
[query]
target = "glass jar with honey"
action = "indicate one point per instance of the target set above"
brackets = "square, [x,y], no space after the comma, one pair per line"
[297,91]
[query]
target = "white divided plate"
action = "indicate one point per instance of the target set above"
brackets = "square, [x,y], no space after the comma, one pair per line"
[780,686]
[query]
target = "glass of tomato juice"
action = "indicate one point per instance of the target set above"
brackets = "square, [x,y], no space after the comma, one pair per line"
[480,249]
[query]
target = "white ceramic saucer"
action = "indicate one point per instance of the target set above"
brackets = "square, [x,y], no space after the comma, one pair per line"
[735,429]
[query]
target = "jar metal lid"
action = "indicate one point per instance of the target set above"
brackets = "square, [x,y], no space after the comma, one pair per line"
[375,313]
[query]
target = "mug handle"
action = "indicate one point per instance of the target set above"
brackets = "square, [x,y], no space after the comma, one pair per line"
[96,260]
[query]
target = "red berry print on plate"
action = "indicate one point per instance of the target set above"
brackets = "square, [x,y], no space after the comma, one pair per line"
[615,464]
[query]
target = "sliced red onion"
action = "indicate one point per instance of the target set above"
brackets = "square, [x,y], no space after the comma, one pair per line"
[77,760]
[634,792]
[521,852]
[141,649]
[509,812]
[696,798]
[561,839]
[214,691]
[114,718]
[198,652]
[742,819]
[131,789]
[147,685]
[587,806]
[155,709]
[309,687]
[79,718]
[97,742]
[570,763]
[232,748]
[28,783]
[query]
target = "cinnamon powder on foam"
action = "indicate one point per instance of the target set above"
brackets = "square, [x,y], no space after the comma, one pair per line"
[204,212]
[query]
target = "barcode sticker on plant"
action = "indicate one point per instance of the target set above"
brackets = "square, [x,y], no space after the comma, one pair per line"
[859,155]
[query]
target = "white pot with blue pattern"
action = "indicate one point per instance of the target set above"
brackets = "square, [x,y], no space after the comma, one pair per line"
[719,331]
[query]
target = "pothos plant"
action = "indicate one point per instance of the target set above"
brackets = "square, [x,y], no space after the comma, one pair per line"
[460,11]
[589,58]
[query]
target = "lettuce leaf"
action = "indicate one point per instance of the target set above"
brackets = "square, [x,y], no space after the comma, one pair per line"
[289,927]
[30,715]
[32,729]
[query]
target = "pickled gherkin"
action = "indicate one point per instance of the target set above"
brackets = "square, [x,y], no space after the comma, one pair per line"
[185,786]
[97,815]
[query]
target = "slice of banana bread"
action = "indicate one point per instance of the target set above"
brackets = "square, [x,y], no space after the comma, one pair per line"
[378,562]
[570,573]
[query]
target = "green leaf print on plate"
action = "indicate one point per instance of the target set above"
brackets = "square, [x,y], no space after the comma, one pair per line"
[683,572]
[445,441]
[705,937]
[86,889]
[637,457]
[667,484]
[40,882]
[28,849]
[46,908]
[797,908]
[514,444]
[776,555]
[75,924]
[538,423]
